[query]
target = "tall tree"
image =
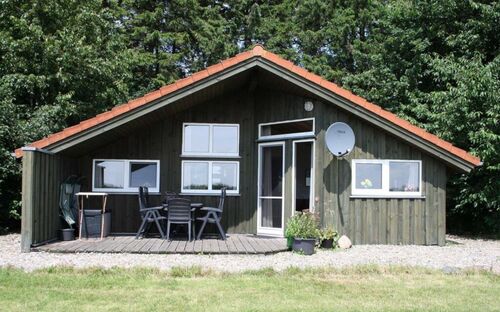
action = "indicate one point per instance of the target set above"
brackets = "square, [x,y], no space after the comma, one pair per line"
[167,40]
[53,72]
[436,63]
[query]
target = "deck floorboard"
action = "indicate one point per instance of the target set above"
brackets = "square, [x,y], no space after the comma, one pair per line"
[235,244]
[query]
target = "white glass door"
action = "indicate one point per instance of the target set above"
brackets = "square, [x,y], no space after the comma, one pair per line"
[271,188]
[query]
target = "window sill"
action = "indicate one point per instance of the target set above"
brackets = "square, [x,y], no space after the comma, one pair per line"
[388,196]
[209,194]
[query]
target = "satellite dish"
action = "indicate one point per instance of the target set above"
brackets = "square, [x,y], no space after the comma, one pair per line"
[339,139]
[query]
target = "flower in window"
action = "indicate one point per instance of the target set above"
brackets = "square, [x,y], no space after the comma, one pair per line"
[366,183]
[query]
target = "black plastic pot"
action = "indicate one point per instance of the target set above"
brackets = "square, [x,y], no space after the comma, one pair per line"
[304,245]
[67,234]
[327,243]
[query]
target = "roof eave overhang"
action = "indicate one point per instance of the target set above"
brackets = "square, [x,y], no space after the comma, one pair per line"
[150,107]
[310,86]
[359,111]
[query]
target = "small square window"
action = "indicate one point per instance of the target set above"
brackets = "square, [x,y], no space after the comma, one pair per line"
[368,176]
[225,140]
[196,139]
[195,176]
[109,174]
[143,174]
[224,175]
[404,176]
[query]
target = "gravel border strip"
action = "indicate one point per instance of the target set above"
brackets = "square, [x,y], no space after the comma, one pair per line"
[460,253]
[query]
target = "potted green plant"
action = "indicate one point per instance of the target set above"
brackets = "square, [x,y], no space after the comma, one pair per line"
[303,228]
[327,237]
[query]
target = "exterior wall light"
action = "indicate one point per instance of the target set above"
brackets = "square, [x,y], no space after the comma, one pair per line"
[308,106]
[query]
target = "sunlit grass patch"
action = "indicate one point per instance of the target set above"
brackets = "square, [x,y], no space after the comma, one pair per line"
[367,287]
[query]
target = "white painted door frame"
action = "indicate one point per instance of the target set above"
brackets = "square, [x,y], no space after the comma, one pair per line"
[312,180]
[261,230]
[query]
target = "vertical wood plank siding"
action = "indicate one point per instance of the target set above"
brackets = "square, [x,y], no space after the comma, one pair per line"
[42,175]
[378,220]
[365,221]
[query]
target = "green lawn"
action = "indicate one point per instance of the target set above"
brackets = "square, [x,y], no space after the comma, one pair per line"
[362,288]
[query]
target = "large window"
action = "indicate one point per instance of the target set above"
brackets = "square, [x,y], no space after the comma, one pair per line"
[211,140]
[207,141]
[386,178]
[125,176]
[208,177]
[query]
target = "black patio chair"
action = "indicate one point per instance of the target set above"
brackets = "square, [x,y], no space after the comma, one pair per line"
[149,215]
[168,196]
[214,215]
[179,212]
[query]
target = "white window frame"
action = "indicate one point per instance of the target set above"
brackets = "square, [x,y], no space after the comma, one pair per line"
[209,191]
[384,192]
[126,176]
[312,207]
[286,136]
[210,153]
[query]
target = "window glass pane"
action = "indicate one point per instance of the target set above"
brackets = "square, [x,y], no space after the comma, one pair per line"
[195,176]
[109,174]
[224,174]
[143,174]
[368,176]
[287,128]
[272,171]
[404,176]
[225,139]
[271,210]
[196,138]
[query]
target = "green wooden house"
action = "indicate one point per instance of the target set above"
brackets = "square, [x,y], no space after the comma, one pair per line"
[256,124]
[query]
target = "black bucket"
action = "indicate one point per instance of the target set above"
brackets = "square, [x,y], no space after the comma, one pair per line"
[67,234]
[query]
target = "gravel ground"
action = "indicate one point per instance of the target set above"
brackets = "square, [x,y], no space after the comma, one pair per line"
[460,253]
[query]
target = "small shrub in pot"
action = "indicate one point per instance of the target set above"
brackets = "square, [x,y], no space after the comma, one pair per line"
[303,228]
[327,238]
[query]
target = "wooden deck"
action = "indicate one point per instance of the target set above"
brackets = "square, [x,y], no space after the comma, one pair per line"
[235,244]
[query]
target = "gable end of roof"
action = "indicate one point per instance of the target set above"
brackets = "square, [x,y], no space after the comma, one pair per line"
[257,52]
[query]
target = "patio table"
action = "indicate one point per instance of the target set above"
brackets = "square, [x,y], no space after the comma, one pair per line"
[194,206]
[81,196]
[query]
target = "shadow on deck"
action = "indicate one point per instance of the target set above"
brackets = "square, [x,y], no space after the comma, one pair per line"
[235,244]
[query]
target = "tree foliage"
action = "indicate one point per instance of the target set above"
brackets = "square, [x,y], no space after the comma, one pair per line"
[434,63]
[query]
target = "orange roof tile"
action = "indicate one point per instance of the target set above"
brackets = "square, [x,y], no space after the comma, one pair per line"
[257,51]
